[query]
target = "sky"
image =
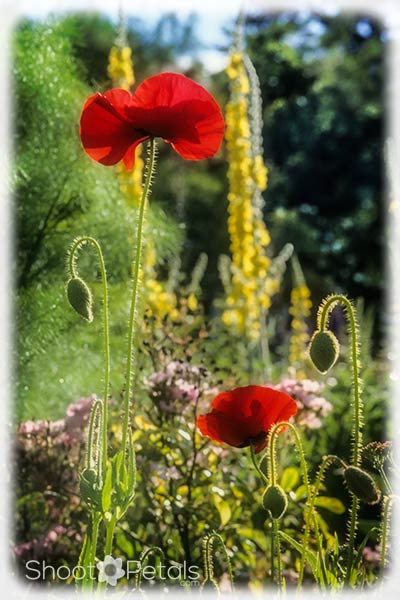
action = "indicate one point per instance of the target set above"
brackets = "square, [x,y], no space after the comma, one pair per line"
[212,16]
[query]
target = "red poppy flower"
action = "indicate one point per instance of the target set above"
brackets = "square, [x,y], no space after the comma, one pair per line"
[245,415]
[170,106]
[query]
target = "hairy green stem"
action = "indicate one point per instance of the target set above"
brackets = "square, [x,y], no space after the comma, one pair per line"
[142,558]
[77,245]
[323,316]
[303,466]
[96,518]
[275,529]
[256,465]
[95,413]
[208,545]
[387,507]
[135,288]
[110,529]
[326,461]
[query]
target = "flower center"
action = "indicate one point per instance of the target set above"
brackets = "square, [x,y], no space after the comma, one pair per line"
[110,570]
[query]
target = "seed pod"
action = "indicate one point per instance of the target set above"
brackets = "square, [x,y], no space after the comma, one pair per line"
[324,350]
[80,298]
[361,484]
[275,501]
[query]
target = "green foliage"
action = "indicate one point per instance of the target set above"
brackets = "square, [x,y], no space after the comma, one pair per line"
[319,199]
[322,87]
[60,193]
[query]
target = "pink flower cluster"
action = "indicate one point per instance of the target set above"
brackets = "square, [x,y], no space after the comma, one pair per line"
[178,385]
[372,556]
[311,405]
[65,432]
[51,543]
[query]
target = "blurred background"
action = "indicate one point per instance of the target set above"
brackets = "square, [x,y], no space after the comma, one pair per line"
[322,92]
[322,214]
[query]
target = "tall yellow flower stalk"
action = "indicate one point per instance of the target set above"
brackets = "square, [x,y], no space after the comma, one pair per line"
[250,289]
[159,301]
[300,310]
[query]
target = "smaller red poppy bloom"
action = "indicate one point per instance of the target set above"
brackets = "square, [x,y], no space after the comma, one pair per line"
[169,105]
[245,415]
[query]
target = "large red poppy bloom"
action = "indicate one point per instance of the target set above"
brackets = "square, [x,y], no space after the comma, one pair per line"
[245,415]
[170,106]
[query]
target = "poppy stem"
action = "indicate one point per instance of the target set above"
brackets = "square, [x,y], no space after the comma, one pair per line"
[94,449]
[76,246]
[322,321]
[150,163]
[256,465]
[387,509]
[110,529]
[275,430]
[97,441]
[326,462]
[275,529]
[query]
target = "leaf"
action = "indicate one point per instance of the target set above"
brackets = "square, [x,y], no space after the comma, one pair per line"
[301,492]
[124,544]
[310,557]
[290,478]
[323,525]
[85,557]
[334,505]
[256,536]
[224,509]
[107,490]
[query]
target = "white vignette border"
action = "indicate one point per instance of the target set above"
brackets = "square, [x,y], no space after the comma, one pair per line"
[387,12]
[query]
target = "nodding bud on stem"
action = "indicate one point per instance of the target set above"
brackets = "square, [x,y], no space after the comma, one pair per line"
[275,501]
[80,298]
[324,350]
[361,484]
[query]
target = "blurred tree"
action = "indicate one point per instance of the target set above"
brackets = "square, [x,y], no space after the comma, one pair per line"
[322,86]
[154,47]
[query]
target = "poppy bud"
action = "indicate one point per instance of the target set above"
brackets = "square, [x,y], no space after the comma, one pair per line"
[324,350]
[80,298]
[90,491]
[275,501]
[361,484]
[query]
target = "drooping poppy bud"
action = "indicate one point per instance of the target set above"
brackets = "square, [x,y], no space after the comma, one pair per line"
[89,488]
[275,501]
[324,350]
[361,484]
[80,298]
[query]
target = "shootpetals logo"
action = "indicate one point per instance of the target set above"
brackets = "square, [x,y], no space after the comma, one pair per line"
[110,570]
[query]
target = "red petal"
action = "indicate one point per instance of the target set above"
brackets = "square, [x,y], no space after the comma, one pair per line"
[246,414]
[277,406]
[237,402]
[180,111]
[106,133]
[221,428]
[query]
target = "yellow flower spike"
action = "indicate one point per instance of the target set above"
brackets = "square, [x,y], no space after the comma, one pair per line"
[192,302]
[300,310]
[249,237]
[120,67]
